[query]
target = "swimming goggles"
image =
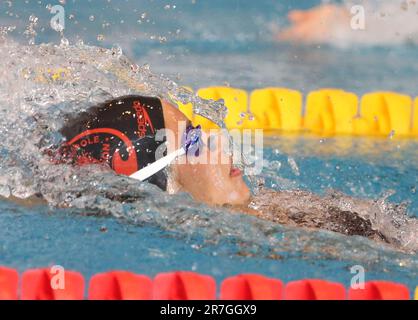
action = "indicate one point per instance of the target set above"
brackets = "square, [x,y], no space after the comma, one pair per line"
[191,145]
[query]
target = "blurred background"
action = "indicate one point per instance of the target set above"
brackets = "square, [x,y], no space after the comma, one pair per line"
[235,42]
[299,44]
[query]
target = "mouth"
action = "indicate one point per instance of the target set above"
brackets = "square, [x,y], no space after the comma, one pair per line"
[235,172]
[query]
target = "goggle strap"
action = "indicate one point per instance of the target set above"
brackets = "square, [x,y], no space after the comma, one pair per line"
[157,166]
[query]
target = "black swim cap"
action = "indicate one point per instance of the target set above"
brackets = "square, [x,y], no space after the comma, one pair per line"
[121,133]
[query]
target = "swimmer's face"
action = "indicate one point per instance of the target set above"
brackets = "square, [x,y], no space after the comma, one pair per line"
[210,178]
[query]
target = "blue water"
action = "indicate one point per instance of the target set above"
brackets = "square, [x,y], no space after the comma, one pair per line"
[203,43]
[215,43]
[42,236]
[361,167]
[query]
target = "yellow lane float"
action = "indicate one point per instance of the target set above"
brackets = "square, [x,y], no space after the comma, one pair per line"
[236,100]
[331,111]
[275,108]
[387,112]
[415,118]
[327,111]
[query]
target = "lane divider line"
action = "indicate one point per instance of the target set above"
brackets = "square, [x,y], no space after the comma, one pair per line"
[42,284]
[327,112]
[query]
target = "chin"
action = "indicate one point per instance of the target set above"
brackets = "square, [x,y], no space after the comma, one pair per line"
[240,195]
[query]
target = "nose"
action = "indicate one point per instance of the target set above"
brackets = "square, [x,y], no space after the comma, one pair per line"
[218,148]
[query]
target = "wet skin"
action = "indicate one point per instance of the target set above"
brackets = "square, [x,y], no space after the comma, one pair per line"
[212,183]
[222,184]
[315,25]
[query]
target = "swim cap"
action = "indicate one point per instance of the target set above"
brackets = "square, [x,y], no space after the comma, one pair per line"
[121,133]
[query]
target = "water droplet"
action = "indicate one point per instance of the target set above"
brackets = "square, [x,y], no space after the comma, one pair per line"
[293,165]
[64,42]
[117,51]
[391,134]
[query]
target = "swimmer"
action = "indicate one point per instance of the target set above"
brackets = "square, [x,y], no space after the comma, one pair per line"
[316,25]
[383,22]
[124,134]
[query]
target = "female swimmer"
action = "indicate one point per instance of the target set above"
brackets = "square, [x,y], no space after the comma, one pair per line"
[130,134]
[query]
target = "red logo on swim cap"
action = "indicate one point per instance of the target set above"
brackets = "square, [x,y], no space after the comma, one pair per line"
[121,166]
[142,119]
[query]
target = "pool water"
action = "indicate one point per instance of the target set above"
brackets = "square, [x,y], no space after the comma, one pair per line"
[195,43]
[42,236]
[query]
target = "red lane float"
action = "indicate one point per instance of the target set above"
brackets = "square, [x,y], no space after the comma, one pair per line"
[251,287]
[45,284]
[380,290]
[313,289]
[57,284]
[184,286]
[120,285]
[8,284]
